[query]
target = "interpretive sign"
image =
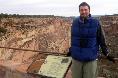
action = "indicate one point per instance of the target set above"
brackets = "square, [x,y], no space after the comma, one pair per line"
[55,66]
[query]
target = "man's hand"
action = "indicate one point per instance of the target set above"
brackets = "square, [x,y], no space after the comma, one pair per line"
[111,58]
[68,54]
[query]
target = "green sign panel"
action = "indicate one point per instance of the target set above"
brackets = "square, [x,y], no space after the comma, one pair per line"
[55,66]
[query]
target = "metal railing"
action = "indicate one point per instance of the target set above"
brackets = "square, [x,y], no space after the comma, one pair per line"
[39,51]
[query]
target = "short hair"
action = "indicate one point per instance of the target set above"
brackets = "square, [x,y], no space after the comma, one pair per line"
[84,4]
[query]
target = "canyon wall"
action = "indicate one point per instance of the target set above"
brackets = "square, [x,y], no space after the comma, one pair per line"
[45,34]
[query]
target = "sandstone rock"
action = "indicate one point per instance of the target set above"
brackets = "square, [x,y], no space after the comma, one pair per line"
[49,34]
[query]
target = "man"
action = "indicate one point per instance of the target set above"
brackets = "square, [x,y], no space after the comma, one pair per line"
[86,37]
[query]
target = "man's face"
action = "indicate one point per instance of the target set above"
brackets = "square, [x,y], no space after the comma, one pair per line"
[84,11]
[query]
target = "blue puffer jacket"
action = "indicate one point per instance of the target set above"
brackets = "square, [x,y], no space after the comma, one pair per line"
[84,46]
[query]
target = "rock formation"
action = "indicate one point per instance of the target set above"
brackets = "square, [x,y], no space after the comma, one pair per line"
[44,34]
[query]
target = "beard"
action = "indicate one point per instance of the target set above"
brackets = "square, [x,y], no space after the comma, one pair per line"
[84,16]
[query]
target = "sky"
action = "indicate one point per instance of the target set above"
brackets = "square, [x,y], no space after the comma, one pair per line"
[57,7]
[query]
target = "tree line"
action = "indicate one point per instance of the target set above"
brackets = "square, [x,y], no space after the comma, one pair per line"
[5,15]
